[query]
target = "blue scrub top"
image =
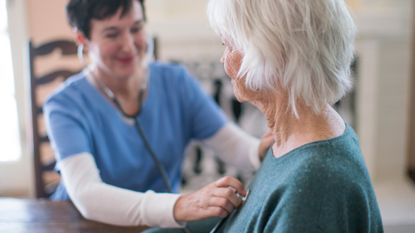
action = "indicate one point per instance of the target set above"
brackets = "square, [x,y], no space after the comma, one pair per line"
[176,110]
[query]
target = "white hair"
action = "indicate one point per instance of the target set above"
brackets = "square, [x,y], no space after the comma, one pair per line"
[303,46]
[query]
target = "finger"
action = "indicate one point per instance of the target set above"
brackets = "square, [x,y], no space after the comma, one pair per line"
[215,211]
[229,181]
[229,194]
[222,203]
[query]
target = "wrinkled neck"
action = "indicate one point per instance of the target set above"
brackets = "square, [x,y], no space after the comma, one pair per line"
[290,131]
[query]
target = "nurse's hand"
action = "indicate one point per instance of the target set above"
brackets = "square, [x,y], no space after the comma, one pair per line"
[217,199]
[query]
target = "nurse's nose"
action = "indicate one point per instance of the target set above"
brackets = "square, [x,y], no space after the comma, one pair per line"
[128,43]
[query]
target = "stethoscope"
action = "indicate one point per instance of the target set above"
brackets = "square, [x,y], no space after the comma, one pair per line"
[133,118]
[219,225]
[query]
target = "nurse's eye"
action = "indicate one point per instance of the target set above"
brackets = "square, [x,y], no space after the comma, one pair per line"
[137,28]
[111,35]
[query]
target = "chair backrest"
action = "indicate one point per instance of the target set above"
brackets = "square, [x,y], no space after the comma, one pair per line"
[47,71]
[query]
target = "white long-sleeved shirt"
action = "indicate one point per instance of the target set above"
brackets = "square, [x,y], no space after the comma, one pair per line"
[109,204]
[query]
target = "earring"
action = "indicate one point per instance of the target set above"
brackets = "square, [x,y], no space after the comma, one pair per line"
[80,52]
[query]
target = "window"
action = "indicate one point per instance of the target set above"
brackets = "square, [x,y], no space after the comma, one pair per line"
[9,131]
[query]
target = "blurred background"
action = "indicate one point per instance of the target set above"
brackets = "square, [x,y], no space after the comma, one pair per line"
[381,107]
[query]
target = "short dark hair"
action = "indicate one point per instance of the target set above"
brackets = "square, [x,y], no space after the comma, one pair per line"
[81,12]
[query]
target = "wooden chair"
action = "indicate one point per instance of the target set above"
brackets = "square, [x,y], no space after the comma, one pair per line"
[45,76]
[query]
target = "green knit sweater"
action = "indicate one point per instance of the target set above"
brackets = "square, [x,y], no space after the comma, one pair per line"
[319,187]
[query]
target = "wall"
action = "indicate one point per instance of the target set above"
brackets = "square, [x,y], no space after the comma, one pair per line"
[183,29]
[411,139]
[47,20]
[385,39]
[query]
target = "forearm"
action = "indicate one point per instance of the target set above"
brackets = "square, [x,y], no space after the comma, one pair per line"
[236,147]
[109,204]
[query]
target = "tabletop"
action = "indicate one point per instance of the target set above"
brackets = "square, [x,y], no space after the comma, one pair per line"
[45,216]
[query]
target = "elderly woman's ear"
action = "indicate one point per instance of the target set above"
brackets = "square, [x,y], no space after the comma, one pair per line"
[232,63]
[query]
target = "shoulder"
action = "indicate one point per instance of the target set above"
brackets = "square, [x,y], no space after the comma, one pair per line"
[174,79]
[326,166]
[173,74]
[72,84]
[168,69]
[339,185]
[333,176]
[69,92]
[331,167]
[334,159]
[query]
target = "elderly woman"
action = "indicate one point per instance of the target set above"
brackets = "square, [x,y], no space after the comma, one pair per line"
[291,59]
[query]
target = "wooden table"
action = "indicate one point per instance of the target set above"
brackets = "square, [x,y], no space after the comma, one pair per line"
[44,216]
